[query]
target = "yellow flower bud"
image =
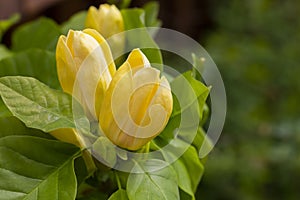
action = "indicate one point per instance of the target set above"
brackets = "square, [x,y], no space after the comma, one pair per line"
[84,58]
[107,20]
[137,105]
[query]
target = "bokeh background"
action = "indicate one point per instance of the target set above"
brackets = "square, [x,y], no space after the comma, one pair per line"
[255,44]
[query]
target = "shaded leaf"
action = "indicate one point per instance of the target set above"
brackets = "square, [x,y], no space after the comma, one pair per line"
[119,195]
[187,166]
[140,37]
[4,52]
[42,33]
[105,151]
[151,13]
[13,126]
[7,23]
[36,168]
[188,90]
[76,22]
[36,63]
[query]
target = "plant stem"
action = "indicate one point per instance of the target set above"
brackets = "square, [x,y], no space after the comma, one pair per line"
[147,147]
[118,180]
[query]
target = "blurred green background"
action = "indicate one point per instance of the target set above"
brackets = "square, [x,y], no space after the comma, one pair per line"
[255,44]
[256,47]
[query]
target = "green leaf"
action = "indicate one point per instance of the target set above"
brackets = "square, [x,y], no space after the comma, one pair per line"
[189,96]
[195,168]
[4,52]
[119,195]
[193,90]
[35,168]
[151,13]
[149,184]
[140,37]
[13,126]
[188,166]
[105,151]
[4,111]
[36,63]
[76,22]
[184,180]
[42,33]
[198,140]
[37,105]
[6,24]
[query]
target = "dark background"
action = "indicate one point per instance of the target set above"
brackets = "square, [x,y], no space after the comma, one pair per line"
[255,44]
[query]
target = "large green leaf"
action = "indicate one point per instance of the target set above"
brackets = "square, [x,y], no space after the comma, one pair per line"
[42,33]
[140,37]
[119,195]
[36,63]
[37,105]
[35,168]
[150,183]
[13,126]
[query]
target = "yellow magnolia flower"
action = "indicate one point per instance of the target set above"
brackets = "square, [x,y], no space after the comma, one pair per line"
[84,58]
[137,105]
[85,68]
[107,20]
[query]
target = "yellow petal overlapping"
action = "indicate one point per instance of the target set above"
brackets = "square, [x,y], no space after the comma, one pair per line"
[132,104]
[137,104]
[84,58]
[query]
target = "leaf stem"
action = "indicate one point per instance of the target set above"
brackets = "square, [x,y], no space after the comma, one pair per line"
[147,147]
[118,180]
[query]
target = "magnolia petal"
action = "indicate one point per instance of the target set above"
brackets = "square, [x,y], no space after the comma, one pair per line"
[65,65]
[114,97]
[105,49]
[163,96]
[83,45]
[92,18]
[130,142]
[110,20]
[145,76]
[137,59]
[127,111]
[68,135]
[70,40]
[92,80]
[137,104]
[145,85]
